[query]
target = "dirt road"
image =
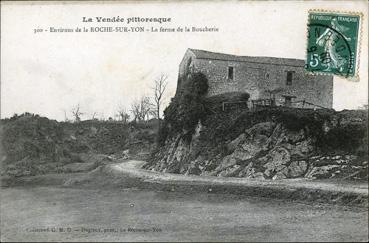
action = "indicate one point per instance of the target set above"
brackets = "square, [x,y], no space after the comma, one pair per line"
[33,213]
[111,204]
[132,168]
[324,191]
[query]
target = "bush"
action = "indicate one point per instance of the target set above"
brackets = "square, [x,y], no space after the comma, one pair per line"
[348,138]
[186,108]
[228,97]
[31,136]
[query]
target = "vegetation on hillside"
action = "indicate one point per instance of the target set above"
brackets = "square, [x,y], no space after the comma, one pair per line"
[186,108]
[40,145]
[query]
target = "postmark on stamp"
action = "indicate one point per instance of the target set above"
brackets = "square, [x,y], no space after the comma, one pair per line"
[332,45]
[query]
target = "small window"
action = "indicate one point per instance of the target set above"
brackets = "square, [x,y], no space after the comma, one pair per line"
[287,101]
[230,73]
[289,78]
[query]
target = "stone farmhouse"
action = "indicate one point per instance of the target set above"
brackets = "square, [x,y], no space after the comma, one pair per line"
[282,80]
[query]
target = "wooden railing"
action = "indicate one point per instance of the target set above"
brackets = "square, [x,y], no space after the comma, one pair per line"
[237,103]
[267,104]
[270,104]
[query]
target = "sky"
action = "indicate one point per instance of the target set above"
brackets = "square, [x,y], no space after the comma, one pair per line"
[51,73]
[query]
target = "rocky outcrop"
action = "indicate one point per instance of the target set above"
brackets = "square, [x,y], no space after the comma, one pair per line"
[266,150]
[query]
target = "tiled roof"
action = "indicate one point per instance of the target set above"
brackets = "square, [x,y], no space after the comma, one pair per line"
[201,54]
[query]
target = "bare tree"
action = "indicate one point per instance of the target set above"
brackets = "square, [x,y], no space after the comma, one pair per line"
[135,109]
[76,111]
[141,109]
[146,107]
[159,89]
[65,116]
[123,114]
[94,116]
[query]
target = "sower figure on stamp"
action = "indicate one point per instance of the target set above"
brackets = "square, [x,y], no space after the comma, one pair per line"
[328,40]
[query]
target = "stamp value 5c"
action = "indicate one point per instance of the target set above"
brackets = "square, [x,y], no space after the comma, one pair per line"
[332,45]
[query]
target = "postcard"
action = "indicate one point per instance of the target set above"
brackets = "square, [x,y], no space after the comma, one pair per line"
[184,121]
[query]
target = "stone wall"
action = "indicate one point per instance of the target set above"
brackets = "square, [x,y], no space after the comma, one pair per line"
[259,78]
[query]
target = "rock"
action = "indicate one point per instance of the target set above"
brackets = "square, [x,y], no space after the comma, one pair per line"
[171,149]
[263,128]
[279,137]
[356,167]
[193,170]
[251,147]
[171,168]
[297,168]
[254,140]
[321,172]
[278,158]
[279,176]
[177,153]
[258,142]
[125,154]
[198,130]
[294,137]
[233,144]
[247,172]
[180,152]
[302,148]
[142,155]
[350,157]
[245,155]
[259,176]
[195,147]
[230,171]
[227,161]
[110,157]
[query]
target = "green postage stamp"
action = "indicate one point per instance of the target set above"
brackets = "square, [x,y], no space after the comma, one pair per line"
[332,45]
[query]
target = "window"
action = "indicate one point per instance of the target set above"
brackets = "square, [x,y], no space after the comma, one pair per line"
[287,101]
[289,78]
[230,73]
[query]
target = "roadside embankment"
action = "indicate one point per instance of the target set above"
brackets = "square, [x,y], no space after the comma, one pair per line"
[32,145]
[130,174]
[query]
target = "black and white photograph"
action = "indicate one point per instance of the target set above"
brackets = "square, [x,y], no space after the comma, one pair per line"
[184,121]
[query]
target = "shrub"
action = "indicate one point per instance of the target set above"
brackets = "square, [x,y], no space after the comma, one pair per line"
[349,138]
[186,108]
